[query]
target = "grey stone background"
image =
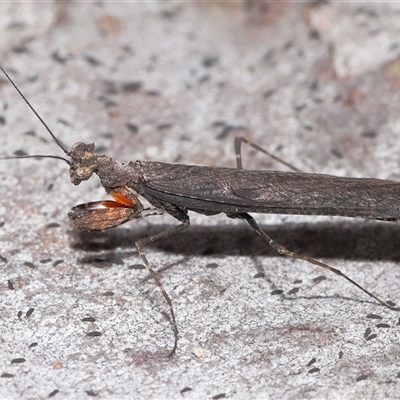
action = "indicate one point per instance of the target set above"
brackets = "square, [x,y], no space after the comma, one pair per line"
[318,84]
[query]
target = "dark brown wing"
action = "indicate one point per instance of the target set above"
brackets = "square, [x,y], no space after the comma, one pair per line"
[231,190]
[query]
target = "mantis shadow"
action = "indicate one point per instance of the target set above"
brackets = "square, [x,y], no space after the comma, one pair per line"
[360,240]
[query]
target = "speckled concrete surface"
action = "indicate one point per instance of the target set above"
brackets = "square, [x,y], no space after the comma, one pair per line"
[317,84]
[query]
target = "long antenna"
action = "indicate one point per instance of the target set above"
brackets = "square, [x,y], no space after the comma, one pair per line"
[37,115]
[37,156]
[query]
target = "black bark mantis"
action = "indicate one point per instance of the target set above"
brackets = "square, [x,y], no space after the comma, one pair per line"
[178,189]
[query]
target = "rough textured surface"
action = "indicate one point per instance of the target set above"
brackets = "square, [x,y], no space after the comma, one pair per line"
[318,85]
